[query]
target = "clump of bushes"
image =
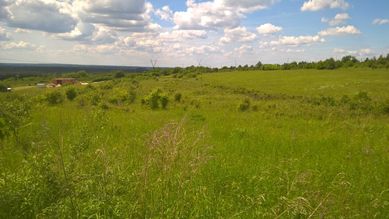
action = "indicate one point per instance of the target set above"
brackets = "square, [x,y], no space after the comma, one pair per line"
[156,99]
[55,97]
[244,105]
[71,93]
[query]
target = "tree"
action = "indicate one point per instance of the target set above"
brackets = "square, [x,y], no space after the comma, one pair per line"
[258,65]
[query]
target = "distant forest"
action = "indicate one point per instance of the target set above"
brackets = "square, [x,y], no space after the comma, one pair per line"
[21,70]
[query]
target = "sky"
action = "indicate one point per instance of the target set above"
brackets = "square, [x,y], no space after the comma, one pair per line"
[210,33]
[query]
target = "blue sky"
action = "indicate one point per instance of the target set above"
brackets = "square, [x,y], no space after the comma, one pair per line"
[190,32]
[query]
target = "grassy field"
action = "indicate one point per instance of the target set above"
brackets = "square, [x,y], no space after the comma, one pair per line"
[254,144]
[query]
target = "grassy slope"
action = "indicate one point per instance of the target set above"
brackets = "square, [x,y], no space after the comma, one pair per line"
[289,158]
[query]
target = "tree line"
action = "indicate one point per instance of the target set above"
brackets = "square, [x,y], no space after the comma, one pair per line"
[327,64]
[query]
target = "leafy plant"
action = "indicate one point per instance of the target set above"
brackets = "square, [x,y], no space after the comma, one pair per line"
[71,93]
[55,97]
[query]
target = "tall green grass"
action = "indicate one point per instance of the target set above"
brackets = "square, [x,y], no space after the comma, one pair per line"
[302,152]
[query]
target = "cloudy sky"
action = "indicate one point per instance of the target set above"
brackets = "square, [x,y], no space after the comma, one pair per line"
[190,32]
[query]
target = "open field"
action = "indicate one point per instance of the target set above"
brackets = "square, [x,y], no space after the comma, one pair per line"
[250,144]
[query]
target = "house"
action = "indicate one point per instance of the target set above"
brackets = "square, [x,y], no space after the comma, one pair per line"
[63,81]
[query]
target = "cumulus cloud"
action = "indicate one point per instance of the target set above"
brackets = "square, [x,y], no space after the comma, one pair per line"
[380,21]
[17,45]
[238,34]
[293,41]
[338,19]
[165,13]
[316,5]
[217,13]
[268,29]
[43,15]
[359,53]
[337,31]
[244,49]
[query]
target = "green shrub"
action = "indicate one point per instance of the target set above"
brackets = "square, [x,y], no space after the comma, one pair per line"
[131,96]
[3,87]
[156,99]
[244,105]
[119,74]
[119,97]
[96,99]
[4,131]
[178,97]
[54,98]
[164,101]
[71,93]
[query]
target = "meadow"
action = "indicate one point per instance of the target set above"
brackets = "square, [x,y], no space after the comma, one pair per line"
[234,144]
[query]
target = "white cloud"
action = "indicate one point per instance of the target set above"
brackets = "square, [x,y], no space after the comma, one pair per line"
[17,45]
[244,49]
[238,34]
[380,21]
[43,15]
[4,36]
[165,13]
[360,53]
[338,19]
[268,29]
[217,13]
[292,41]
[316,5]
[337,31]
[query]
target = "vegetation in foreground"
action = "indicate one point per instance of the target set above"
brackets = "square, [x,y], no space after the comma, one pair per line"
[253,144]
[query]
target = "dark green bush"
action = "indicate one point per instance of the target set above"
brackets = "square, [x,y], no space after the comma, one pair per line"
[54,97]
[71,93]
[131,96]
[178,97]
[164,101]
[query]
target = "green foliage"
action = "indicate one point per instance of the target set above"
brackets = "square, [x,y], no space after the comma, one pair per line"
[14,114]
[304,153]
[55,97]
[177,97]
[71,93]
[244,105]
[156,99]
[164,101]
[3,87]
[131,96]
[119,74]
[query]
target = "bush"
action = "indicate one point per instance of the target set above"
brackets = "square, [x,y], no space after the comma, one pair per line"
[119,74]
[131,96]
[3,87]
[156,99]
[55,97]
[164,101]
[71,93]
[178,97]
[244,105]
